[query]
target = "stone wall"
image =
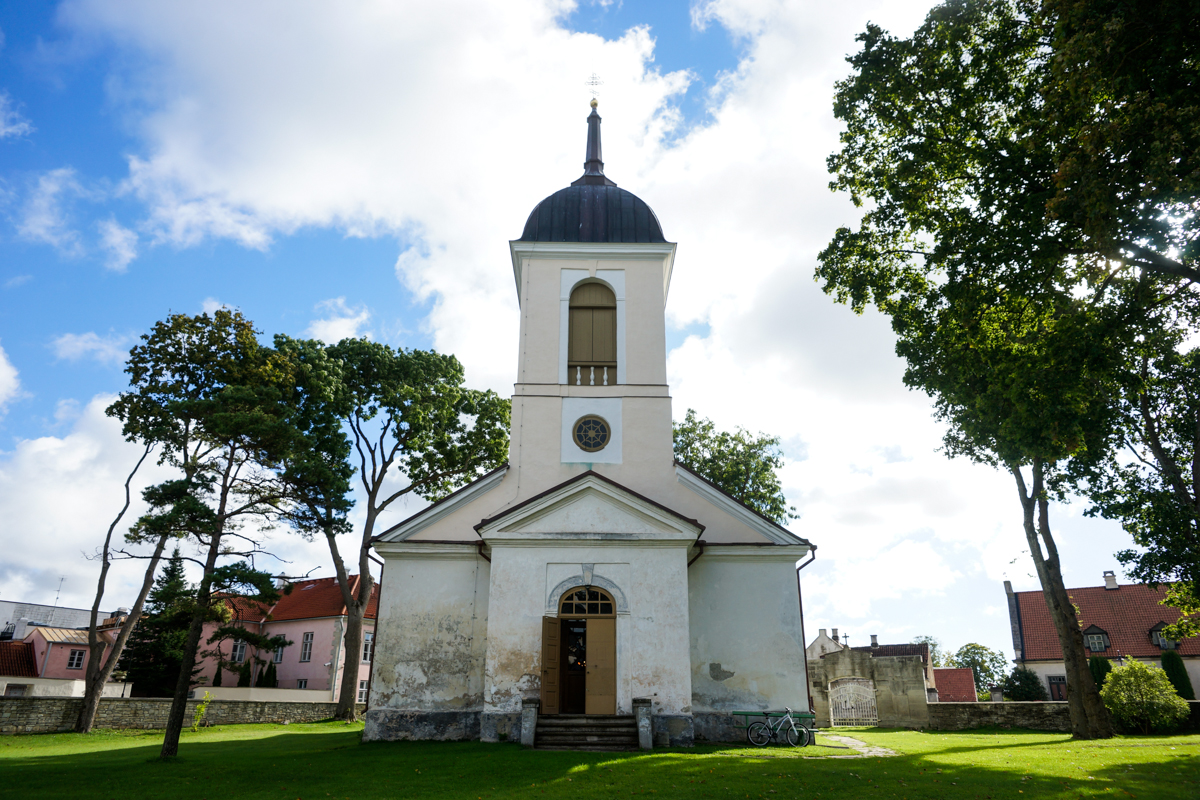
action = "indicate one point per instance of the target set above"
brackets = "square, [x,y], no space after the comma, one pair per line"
[1048,716]
[899,685]
[55,714]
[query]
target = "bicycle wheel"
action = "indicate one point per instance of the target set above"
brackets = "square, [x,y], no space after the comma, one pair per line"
[798,737]
[759,734]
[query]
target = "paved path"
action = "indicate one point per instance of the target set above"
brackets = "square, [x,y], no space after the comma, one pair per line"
[862,749]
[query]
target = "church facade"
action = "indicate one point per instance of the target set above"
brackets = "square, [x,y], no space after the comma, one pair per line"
[592,569]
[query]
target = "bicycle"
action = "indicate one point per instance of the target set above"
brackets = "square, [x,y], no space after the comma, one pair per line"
[760,733]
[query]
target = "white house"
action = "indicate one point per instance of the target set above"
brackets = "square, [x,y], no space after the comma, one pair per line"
[591,570]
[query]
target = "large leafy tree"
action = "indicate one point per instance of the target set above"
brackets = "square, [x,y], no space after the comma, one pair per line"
[407,425]
[1006,314]
[742,464]
[987,665]
[219,407]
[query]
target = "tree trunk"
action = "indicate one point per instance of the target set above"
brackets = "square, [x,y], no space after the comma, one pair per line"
[98,670]
[1089,717]
[97,673]
[170,747]
[347,708]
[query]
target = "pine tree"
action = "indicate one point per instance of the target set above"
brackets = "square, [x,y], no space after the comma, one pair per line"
[153,656]
[1172,664]
[1024,684]
[1100,668]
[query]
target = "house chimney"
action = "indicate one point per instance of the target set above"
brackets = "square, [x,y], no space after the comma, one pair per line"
[1110,579]
[823,632]
[834,636]
[874,640]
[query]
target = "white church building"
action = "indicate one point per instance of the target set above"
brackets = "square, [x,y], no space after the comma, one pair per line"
[592,570]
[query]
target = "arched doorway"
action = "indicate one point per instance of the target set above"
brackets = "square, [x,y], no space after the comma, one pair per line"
[852,702]
[579,654]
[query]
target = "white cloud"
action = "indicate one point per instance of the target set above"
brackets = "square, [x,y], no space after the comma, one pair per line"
[11,121]
[10,383]
[120,244]
[342,321]
[110,349]
[44,217]
[17,280]
[212,305]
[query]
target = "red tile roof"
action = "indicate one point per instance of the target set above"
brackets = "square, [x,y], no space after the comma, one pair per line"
[16,660]
[955,684]
[1126,614]
[309,599]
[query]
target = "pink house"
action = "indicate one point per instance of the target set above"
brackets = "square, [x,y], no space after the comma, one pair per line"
[313,618]
[53,661]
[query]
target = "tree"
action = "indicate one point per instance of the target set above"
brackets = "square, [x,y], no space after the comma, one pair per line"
[1141,698]
[1172,664]
[1015,330]
[1152,484]
[99,665]
[740,463]
[987,665]
[407,414]
[219,406]
[154,655]
[1024,684]
[937,657]
[1100,667]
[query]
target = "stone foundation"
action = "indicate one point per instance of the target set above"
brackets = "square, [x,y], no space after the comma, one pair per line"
[57,714]
[385,724]
[1047,716]
[494,727]
[673,730]
[717,727]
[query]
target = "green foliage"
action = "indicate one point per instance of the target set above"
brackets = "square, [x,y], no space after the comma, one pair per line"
[269,677]
[201,711]
[244,673]
[1172,664]
[1141,698]
[1100,667]
[153,655]
[986,665]
[739,463]
[937,658]
[1024,684]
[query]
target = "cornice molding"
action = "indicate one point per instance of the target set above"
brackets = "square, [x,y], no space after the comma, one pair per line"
[738,511]
[423,519]
[606,251]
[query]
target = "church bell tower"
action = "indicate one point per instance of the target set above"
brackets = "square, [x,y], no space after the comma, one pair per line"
[592,271]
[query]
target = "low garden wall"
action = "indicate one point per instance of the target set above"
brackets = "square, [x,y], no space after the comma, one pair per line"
[1049,716]
[55,714]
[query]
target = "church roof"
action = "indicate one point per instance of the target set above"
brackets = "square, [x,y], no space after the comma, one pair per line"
[761,518]
[593,208]
[583,476]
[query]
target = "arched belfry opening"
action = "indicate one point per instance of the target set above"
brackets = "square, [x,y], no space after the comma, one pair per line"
[579,654]
[592,336]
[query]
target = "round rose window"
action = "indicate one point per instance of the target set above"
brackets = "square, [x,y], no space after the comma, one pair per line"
[591,433]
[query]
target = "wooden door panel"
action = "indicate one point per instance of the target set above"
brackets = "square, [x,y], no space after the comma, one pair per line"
[580,337]
[604,335]
[551,690]
[601,666]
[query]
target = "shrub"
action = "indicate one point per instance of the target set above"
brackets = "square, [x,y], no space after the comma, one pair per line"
[1024,684]
[1172,664]
[1100,668]
[1141,698]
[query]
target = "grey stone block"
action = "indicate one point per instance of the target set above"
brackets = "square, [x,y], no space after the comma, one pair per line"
[385,724]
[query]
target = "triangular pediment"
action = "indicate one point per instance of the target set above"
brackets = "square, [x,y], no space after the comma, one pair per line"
[590,508]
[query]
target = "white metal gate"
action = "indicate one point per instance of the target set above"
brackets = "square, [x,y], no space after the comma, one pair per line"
[852,702]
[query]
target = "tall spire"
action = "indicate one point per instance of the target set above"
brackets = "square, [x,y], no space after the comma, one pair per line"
[593,166]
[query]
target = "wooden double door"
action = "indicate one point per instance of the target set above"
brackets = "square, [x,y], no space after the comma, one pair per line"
[579,665]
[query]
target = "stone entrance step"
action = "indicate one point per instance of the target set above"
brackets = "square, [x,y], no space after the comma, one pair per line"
[581,732]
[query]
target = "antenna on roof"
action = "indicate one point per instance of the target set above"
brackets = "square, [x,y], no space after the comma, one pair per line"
[58,594]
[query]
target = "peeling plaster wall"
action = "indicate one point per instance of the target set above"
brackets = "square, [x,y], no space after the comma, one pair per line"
[747,646]
[431,632]
[652,637]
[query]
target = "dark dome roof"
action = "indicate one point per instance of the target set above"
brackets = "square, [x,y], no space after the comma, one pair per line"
[592,209]
[592,214]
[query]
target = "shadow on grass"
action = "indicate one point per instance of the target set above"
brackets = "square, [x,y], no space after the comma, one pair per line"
[328,762]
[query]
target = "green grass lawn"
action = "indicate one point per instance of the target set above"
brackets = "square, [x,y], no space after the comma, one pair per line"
[325,760]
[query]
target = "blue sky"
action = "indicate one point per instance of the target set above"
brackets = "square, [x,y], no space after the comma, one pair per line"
[336,170]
